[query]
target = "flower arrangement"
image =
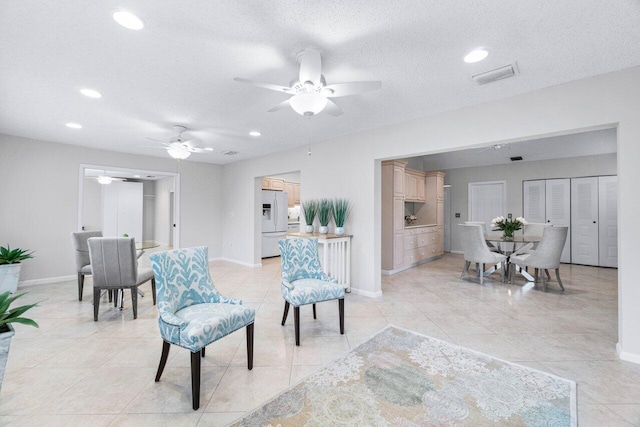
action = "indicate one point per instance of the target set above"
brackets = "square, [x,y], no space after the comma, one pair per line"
[507,225]
[410,218]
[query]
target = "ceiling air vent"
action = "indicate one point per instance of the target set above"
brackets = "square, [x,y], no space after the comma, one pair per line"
[229,153]
[493,75]
[516,158]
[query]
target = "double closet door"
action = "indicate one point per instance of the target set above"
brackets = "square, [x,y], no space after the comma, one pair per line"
[548,201]
[588,206]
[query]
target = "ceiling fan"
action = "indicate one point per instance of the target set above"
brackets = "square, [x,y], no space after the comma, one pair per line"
[310,92]
[179,147]
[105,179]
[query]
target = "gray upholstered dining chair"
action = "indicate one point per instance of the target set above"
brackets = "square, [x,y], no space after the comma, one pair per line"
[533,229]
[546,256]
[476,250]
[483,225]
[81,252]
[115,267]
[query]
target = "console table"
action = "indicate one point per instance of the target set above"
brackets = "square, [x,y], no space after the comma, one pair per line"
[335,255]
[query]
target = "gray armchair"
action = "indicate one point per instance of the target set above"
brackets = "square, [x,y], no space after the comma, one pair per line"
[83,263]
[546,256]
[115,267]
[476,250]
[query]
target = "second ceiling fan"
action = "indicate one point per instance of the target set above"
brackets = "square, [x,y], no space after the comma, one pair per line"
[310,93]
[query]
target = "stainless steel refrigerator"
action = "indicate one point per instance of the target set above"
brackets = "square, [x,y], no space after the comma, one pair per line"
[274,221]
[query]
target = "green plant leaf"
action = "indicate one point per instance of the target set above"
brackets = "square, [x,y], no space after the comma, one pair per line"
[24,321]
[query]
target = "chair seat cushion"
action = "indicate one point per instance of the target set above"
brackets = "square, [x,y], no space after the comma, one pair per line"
[309,291]
[86,269]
[520,259]
[144,275]
[210,322]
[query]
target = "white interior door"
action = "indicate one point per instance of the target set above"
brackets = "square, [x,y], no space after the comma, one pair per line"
[122,209]
[608,227]
[487,200]
[534,201]
[584,221]
[558,209]
[447,219]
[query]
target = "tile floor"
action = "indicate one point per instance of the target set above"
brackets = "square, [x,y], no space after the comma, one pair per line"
[73,371]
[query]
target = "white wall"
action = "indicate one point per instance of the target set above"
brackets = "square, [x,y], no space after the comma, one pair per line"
[514,174]
[162,208]
[148,210]
[40,209]
[92,205]
[349,167]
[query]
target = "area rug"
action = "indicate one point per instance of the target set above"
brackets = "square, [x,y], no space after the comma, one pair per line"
[402,378]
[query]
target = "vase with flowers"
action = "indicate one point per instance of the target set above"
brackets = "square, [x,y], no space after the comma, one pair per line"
[507,225]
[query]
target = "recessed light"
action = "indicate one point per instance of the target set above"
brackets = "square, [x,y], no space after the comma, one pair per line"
[91,93]
[74,126]
[128,20]
[254,133]
[136,176]
[476,55]
[208,148]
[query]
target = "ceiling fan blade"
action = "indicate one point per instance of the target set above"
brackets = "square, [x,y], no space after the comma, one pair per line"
[282,105]
[152,146]
[310,66]
[266,85]
[198,150]
[156,140]
[332,109]
[350,88]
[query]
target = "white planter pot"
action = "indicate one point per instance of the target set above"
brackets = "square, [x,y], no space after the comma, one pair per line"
[9,274]
[5,342]
[339,231]
[308,229]
[323,229]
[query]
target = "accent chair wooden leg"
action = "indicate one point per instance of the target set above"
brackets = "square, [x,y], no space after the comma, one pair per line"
[314,311]
[96,303]
[341,311]
[202,352]
[195,379]
[134,301]
[80,285]
[558,277]
[153,289]
[110,293]
[163,359]
[250,346]
[296,321]
[286,312]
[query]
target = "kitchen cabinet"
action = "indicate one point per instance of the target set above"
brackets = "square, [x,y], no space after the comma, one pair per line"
[296,193]
[406,191]
[275,184]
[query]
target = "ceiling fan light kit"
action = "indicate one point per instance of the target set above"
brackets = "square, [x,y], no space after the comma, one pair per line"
[310,93]
[104,179]
[178,151]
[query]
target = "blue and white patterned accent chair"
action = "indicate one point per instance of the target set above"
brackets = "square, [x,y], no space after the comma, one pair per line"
[304,282]
[192,313]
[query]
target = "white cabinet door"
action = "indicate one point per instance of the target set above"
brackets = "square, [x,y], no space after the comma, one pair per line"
[584,221]
[558,209]
[533,194]
[608,214]
[487,200]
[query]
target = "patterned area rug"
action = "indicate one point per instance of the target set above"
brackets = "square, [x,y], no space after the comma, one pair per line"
[402,378]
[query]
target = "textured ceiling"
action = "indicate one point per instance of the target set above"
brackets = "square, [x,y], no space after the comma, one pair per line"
[180,68]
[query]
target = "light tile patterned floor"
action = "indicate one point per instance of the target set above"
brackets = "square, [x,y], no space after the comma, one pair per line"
[74,371]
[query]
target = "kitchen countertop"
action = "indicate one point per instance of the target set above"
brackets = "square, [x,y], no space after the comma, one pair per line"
[421,225]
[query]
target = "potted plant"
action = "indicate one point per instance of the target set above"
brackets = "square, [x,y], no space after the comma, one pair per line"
[507,225]
[324,215]
[310,208]
[10,264]
[340,213]
[10,315]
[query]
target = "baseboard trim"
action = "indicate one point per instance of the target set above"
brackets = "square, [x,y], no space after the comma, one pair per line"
[235,261]
[628,357]
[47,280]
[408,266]
[366,293]
[457,252]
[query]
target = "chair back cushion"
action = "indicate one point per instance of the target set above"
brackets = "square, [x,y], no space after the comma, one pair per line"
[81,247]
[182,278]
[113,261]
[534,229]
[299,259]
[549,250]
[474,245]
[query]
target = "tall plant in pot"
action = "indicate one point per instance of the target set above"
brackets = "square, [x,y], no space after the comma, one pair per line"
[10,265]
[310,208]
[341,211]
[324,215]
[10,315]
